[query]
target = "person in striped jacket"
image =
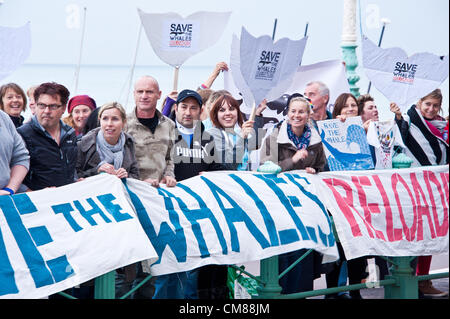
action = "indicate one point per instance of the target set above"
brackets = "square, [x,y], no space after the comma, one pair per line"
[423,132]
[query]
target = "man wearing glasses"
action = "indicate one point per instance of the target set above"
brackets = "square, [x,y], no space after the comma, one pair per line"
[51,143]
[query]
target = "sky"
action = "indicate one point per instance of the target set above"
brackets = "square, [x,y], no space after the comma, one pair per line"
[111,29]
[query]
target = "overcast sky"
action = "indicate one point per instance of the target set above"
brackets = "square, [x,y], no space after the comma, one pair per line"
[112,27]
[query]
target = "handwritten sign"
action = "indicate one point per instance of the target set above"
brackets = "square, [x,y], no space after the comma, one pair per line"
[345,144]
[401,212]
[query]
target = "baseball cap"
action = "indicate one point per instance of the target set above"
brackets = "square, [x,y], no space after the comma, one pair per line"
[189,93]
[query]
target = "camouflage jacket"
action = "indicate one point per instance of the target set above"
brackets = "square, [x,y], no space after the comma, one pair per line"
[153,151]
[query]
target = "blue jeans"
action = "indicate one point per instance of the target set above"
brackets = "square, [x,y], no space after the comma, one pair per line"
[171,286]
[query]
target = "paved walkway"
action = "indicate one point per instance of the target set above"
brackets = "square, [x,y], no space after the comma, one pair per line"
[378,293]
[440,263]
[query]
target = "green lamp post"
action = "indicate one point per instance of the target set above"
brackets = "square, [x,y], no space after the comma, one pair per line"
[269,266]
[348,45]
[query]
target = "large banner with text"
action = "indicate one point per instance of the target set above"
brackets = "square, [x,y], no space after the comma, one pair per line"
[397,212]
[56,238]
[230,218]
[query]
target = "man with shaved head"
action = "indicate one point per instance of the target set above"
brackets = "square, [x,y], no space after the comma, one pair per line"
[153,133]
[154,136]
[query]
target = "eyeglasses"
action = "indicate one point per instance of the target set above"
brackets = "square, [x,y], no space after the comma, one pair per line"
[52,107]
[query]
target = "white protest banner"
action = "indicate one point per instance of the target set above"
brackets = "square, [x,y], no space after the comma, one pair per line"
[175,39]
[266,67]
[402,79]
[402,212]
[15,48]
[383,136]
[331,73]
[345,144]
[234,82]
[231,217]
[56,238]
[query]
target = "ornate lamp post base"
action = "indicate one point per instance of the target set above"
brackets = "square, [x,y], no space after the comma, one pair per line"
[351,63]
[348,45]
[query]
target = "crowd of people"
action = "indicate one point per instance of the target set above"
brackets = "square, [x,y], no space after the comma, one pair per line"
[194,131]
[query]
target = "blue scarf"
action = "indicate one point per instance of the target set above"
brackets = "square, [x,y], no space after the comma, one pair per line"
[301,142]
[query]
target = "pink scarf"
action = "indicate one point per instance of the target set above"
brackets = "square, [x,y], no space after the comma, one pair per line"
[434,130]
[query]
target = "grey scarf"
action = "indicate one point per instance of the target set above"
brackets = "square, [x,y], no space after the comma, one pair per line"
[111,154]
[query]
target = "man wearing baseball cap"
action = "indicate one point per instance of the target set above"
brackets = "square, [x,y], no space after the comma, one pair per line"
[194,148]
[193,153]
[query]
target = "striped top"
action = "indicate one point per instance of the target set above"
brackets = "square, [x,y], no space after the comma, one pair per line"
[424,147]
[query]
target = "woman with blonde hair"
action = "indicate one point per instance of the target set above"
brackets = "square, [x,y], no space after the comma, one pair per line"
[108,148]
[295,144]
[425,135]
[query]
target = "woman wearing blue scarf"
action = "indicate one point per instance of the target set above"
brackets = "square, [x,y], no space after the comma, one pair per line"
[295,145]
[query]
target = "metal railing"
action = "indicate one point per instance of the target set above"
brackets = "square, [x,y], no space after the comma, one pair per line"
[402,283]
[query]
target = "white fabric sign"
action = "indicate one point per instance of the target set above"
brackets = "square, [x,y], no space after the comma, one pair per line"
[402,212]
[56,238]
[234,82]
[15,48]
[231,217]
[267,68]
[345,144]
[383,136]
[331,72]
[175,39]
[402,79]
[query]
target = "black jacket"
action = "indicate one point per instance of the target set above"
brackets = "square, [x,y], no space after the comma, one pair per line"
[17,120]
[50,164]
[197,157]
